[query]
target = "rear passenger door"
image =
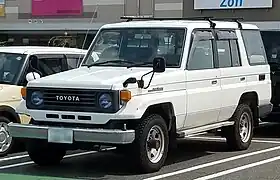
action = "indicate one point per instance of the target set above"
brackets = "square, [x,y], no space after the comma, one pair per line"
[203,81]
[233,74]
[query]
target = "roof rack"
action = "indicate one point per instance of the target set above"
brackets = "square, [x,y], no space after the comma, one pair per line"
[207,18]
[234,19]
[131,18]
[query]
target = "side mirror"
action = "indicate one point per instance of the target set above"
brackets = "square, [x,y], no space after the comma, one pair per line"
[32,76]
[159,64]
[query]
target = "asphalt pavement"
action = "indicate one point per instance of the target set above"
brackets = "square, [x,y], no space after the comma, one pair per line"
[201,157]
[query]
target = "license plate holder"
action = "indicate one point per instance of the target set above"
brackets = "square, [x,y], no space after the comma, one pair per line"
[60,135]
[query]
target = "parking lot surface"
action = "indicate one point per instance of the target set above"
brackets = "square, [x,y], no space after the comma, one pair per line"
[201,157]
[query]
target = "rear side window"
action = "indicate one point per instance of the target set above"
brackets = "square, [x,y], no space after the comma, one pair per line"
[254,47]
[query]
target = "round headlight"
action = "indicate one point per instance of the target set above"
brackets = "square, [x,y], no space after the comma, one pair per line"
[105,101]
[37,98]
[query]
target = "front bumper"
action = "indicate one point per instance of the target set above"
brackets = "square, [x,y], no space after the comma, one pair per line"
[70,135]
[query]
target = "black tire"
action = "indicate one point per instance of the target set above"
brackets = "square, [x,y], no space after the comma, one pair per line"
[43,153]
[232,133]
[13,144]
[145,165]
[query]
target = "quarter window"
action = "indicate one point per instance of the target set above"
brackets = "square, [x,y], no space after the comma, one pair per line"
[254,47]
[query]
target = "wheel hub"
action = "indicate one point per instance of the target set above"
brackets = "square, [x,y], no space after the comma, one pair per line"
[245,127]
[155,144]
[5,138]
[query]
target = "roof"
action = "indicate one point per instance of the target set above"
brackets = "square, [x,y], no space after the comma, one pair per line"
[178,24]
[41,49]
[267,25]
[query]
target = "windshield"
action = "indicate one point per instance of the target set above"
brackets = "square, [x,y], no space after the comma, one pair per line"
[137,46]
[10,66]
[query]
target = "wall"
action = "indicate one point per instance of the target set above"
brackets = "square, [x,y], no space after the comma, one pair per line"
[107,10]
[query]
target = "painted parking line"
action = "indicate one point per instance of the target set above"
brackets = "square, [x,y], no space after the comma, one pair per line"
[213,163]
[14,157]
[223,139]
[67,156]
[240,168]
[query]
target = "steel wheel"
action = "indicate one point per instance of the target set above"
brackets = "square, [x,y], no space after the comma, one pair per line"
[5,138]
[245,127]
[155,144]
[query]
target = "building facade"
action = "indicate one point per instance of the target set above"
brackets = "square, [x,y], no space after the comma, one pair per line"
[103,11]
[264,13]
[35,22]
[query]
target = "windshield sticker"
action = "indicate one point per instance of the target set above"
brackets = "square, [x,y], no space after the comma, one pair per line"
[18,58]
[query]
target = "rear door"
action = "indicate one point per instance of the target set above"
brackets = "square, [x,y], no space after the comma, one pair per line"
[233,79]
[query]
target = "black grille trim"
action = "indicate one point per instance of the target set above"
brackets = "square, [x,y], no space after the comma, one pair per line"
[88,100]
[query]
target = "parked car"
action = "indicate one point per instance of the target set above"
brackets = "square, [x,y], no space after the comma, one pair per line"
[273,56]
[140,96]
[15,63]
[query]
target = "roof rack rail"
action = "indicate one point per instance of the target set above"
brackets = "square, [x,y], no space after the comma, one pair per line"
[130,18]
[234,19]
[208,18]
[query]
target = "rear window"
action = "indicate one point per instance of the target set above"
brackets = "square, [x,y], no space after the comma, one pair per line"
[254,47]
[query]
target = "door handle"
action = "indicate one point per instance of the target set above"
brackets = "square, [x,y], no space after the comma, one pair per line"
[242,79]
[214,82]
[261,77]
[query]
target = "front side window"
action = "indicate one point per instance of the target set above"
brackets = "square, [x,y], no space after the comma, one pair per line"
[135,46]
[10,67]
[201,54]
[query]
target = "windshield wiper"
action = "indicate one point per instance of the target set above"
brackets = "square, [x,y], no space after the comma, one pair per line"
[110,61]
[140,64]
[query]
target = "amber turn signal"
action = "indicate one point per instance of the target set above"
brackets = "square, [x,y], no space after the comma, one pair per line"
[23,92]
[125,95]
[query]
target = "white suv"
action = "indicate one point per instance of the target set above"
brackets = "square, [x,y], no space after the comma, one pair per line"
[158,80]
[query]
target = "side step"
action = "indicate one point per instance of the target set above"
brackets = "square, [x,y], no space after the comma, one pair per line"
[192,131]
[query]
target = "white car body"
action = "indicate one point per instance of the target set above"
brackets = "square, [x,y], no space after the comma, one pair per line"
[198,100]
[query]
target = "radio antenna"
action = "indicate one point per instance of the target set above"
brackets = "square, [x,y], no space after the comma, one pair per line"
[91,21]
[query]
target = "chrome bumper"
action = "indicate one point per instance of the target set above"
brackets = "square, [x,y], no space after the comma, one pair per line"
[69,135]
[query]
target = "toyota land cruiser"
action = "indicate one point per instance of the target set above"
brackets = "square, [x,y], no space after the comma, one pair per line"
[161,79]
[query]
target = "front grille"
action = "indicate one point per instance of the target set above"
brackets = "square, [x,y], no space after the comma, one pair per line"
[77,100]
[69,99]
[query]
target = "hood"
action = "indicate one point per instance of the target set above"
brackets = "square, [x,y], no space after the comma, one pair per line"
[101,77]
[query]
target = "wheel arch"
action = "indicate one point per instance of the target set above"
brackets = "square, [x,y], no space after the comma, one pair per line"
[9,113]
[252,99]
[166,110]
